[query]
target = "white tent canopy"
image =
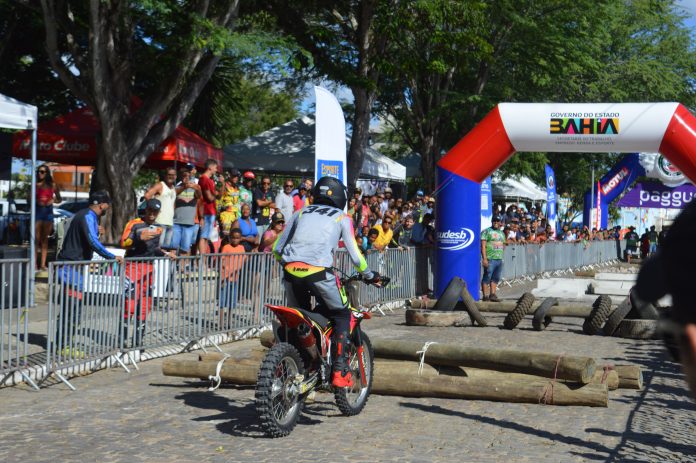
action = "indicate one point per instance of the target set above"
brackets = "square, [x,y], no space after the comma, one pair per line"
[21,116]
[522,187]
[17,115]
[289,148]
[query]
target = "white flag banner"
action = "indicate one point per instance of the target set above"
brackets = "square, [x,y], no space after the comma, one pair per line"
[330,146]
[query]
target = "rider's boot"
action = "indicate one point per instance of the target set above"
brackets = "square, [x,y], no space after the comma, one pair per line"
[342,376]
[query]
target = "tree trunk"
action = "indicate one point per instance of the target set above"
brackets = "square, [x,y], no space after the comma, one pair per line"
[113,174]
[364,99]
[428,160]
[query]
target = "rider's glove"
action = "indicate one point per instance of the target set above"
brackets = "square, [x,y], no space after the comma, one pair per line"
[375,280]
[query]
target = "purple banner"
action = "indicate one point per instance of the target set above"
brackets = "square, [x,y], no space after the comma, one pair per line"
[658,195]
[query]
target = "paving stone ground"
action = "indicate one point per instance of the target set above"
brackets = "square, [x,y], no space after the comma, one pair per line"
[145,416]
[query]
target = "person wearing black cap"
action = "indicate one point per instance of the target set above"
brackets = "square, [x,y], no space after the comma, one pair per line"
[671,271]
[141,238]
[80,243]
[82,236]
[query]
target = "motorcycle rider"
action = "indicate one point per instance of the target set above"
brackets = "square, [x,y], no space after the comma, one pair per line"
[305,249]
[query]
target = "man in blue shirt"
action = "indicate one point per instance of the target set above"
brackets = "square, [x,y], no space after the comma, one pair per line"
[80,243]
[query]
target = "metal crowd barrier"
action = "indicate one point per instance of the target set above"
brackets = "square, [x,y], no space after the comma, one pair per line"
[14,319]
[103,314]
[528,260]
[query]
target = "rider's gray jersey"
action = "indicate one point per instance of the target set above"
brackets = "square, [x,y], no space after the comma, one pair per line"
[312,234]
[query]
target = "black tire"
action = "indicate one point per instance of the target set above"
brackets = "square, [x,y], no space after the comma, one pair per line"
[616,317]
[450,297]
[541,320]
[599,314]
[637,329]
[524,305]
[278,369]
[352,400]
[641,309]
[472,308]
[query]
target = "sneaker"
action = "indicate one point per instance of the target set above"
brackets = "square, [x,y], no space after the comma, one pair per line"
[74,353]
[494,298]
[339,380]
[485,298]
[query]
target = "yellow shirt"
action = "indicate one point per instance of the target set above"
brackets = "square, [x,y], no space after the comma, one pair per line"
[384,238]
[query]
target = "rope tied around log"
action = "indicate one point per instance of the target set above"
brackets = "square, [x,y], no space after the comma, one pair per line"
[215,379]
[607,368]
[422,355]
[547,393]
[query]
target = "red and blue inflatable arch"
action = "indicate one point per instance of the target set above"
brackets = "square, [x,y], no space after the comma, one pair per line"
[667,128]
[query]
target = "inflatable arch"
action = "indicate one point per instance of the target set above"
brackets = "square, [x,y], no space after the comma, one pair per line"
[622,176]
[667,128]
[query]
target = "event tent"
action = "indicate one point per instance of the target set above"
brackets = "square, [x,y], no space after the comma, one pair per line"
[289,148]
[72,139]
[517,188]
[21,116]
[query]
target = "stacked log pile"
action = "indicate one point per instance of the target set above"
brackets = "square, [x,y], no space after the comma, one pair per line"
[452,371]
[629,319]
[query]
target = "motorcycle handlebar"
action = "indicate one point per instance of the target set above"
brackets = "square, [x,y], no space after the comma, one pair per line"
[383,280]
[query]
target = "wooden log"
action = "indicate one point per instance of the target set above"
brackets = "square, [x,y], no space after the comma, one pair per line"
[422,303]
[561,310]
[610,378]
[420,317]
[396,367]
[237,373]
[256,354]
[571,368]
[267,338]
[630,376]
[499,390]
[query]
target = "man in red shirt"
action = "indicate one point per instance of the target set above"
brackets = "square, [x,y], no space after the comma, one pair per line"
[209,194]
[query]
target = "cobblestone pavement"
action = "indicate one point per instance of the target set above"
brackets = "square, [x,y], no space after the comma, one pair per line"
[144,416]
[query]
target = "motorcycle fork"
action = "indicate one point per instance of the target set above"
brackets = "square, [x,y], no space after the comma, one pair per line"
[357,337]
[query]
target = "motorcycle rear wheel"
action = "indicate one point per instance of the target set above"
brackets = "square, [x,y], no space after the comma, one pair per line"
[278,401]
[351,400]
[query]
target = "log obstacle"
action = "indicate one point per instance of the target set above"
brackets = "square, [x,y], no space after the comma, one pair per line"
[419,317]
[396,367]
[563,310]
[499,390]
[571,368]
[267,338]
[255,354]
[630,376]
[237,372]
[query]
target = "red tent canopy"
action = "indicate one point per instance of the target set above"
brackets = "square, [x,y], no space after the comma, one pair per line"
[72,139]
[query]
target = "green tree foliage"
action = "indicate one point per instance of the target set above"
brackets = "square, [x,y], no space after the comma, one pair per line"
[447,71]
[26,72]
[161,52]
[237,104]
[345,41]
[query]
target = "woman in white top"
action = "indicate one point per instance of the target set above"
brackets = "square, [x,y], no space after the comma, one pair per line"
[165,192]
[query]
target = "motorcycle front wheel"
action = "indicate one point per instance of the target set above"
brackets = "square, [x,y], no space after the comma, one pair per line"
[278,401]
[351,400]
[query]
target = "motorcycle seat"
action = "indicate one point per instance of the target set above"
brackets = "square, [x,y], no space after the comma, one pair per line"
[316,318]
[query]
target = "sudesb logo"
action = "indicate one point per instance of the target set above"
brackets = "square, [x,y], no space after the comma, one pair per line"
[455,241]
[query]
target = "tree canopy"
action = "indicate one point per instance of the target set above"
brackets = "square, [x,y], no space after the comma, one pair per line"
[432,68]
